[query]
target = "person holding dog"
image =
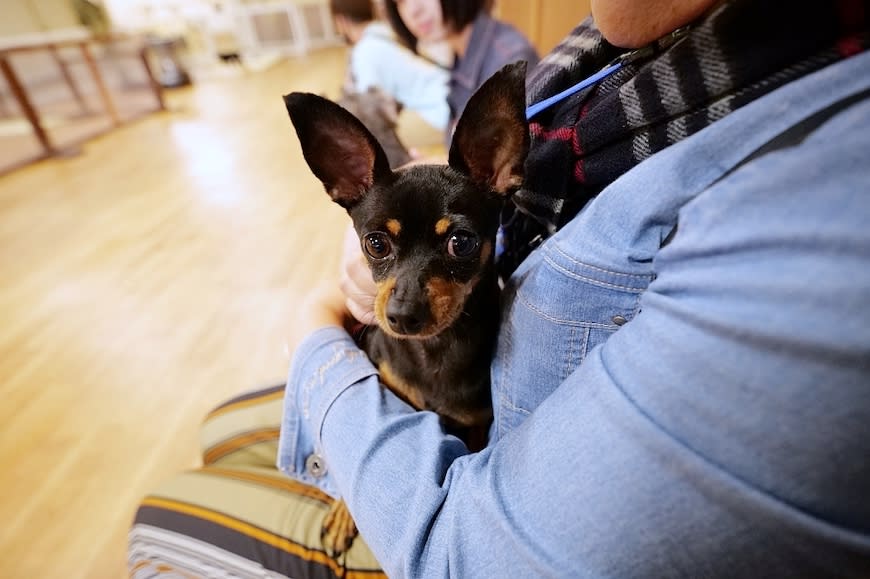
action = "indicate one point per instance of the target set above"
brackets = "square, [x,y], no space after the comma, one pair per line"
[680,381]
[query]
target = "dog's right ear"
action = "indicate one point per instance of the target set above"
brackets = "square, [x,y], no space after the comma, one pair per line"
[491,141]
[338,148]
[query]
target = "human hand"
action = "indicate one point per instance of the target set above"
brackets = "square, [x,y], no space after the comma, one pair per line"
[322,306]
[356,281]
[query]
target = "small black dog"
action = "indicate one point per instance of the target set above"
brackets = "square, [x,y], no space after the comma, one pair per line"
[428,232]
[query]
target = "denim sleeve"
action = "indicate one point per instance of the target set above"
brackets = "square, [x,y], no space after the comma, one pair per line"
[722,432]
[325,363]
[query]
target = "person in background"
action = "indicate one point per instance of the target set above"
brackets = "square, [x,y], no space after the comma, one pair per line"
[481,45]
[680,384]
[377,60]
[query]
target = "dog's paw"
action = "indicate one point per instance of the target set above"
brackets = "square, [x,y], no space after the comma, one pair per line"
[338,530]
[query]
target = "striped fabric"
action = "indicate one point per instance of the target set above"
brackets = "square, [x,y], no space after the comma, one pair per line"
[238,516]
[674,88]
[244,430]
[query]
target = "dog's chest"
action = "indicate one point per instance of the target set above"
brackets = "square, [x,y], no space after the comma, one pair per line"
[453,383]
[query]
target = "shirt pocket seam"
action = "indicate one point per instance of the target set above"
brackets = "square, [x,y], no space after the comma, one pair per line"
[574,275]
[562,321]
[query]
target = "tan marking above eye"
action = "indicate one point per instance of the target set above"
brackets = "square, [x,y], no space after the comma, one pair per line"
[442,225]
[394,227]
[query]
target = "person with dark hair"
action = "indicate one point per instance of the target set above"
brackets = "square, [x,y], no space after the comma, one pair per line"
[378,61]
[481,44]
[680,384]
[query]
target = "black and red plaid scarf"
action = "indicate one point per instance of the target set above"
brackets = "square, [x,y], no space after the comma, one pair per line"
[739,51]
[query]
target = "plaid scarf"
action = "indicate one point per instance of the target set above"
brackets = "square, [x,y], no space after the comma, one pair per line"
[739,51]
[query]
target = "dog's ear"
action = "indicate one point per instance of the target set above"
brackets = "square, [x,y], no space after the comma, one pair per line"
[492,136]
[338,148]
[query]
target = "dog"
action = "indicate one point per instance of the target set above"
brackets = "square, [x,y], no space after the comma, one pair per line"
[429,234]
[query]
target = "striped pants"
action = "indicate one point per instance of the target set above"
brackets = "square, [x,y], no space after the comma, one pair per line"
[237,515]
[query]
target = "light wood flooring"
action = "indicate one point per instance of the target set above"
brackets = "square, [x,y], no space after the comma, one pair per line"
[142,283]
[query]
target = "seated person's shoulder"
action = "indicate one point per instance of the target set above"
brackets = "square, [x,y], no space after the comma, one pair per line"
[510,41]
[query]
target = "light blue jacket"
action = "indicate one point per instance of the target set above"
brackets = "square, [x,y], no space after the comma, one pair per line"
[379,60]
[700,409]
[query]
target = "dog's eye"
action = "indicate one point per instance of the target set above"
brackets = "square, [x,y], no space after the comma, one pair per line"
[377,245]
[462,244]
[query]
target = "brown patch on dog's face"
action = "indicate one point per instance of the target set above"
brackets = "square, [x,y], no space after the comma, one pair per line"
[446,300]
[385,290]
[394,227]
[442,225]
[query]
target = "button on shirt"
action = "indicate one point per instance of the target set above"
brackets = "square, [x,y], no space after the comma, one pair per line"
[315,465]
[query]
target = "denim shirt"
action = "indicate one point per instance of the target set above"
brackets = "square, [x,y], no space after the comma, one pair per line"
[696,408]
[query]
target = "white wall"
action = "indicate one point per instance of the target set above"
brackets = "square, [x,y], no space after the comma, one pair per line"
[20,17]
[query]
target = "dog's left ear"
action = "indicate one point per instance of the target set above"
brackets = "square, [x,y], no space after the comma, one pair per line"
[492,136]
[338,148]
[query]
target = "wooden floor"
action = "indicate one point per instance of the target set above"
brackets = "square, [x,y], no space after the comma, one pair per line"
[141,284]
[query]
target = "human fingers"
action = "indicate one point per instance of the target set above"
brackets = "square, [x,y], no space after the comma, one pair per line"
[356,280]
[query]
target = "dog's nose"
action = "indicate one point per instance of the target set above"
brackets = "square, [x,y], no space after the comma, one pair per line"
[407,318]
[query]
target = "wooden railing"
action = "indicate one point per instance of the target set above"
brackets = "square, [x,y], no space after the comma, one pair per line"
[135,51]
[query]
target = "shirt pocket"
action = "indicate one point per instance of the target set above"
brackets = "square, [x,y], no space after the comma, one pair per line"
[556,310]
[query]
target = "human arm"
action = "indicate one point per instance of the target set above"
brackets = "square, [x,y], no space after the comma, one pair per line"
[721,432]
